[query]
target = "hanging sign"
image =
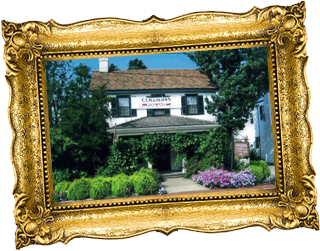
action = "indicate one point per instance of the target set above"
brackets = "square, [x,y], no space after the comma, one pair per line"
[241,149]
[155,102]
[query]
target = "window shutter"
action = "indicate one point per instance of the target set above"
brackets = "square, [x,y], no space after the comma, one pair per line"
[149,112]
[167,112]
[114,107]
[183,105]
[133,112]
[200,105]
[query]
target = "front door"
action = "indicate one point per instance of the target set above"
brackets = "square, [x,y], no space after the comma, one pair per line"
[162,160]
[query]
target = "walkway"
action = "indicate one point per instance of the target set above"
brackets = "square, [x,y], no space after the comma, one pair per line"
[177,185]
[182,186]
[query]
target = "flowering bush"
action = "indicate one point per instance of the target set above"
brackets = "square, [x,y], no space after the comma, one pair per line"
[224,179]
[60,197]
[162,189]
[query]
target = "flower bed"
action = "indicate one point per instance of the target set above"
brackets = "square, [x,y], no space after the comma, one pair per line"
[219,178]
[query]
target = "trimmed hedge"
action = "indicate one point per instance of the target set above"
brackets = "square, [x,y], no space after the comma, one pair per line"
[121,186]
[62,187]
[100,188]
[61,191]
[257,171]
[158,177]
[79,189]
[144,182]
[266,170]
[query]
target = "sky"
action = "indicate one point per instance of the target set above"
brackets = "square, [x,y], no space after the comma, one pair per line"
[152,61]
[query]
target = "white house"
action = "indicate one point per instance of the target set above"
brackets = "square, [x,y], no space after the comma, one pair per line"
[157,101]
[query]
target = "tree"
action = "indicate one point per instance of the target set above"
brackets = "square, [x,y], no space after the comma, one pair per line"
[113,67]
[241,76]
[58,74]
[79,141]
[136,64]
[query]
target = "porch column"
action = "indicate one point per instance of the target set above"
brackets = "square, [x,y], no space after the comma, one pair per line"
[183,166]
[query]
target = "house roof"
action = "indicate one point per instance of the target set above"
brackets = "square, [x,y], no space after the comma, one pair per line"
[163,121]
[150,79]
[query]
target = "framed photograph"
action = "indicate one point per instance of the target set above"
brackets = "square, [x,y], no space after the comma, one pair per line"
[196,122]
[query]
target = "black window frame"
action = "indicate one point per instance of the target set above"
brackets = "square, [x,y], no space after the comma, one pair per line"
[150,112]
[200,104]
[251,118]
[257,142]
[115,107]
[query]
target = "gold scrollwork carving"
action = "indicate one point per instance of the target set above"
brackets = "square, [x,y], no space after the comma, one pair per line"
[300,211]
[287,22]
[32,228]
[21,39]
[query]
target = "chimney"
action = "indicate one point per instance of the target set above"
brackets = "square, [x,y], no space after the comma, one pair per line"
[103,64]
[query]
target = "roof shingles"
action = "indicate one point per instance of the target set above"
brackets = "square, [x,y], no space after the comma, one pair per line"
[163,121]
[151,79]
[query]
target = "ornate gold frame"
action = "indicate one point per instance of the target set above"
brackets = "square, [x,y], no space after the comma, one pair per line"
[290,205]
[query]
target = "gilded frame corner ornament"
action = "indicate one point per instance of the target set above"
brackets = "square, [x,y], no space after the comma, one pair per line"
[40,221]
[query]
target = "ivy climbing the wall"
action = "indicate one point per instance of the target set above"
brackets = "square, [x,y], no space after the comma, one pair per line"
[212,148]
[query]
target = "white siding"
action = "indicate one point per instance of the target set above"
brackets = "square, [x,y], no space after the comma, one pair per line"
[262,128]
[173,111]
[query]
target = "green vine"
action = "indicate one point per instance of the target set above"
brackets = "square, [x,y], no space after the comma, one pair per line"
[211,147]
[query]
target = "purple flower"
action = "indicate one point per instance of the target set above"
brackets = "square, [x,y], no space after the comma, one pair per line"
[224,179]
[162,189]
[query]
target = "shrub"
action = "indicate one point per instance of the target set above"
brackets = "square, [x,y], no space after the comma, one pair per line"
[266,170]
[62,186]
[193,166]
[61,191]
[257,171]
[144,183]
[264,165]
[100,188]
[121,186]
[158,177]
[79,189]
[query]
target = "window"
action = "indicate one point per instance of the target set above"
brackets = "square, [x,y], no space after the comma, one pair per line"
[192,105]
[124,107]
[121,107]
[158,112]
[251,118]
[262,113]
[257,142]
